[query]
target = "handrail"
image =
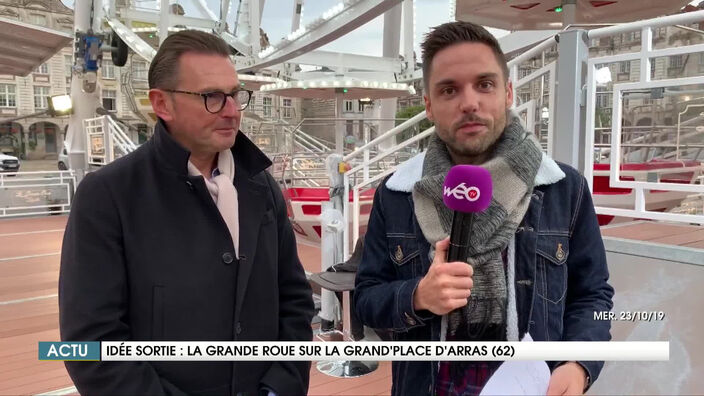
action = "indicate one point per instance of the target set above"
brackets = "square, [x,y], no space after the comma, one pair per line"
[393,131]
[404,144]
[532,52]
[669,20]
[115,134]
[301,137]
[125,143]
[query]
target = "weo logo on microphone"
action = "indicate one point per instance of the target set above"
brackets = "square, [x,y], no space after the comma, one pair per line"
[461,191]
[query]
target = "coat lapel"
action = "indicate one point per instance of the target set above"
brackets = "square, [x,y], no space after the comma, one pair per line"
[252,206]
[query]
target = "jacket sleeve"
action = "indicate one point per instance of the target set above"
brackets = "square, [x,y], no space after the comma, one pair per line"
[93,299]
[296,307]
[588,290]
[382,300]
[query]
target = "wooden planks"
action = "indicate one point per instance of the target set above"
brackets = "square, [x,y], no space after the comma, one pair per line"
[669,234]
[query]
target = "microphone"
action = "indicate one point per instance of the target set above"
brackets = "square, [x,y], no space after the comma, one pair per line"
[467,190]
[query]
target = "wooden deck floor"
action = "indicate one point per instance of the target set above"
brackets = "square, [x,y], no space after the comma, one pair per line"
[668,234]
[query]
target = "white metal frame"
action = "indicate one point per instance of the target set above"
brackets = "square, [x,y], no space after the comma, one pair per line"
[335,23]
[529,108]
[550,68]
[112,135]
[364,165]
[66,179]
[644,56]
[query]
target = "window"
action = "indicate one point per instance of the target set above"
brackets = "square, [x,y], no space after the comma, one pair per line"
[107,69]
[676,61]
[139,70]
[603,100]
[347,106]
[701,62]
[110,100]
[42,69]
[37,19]
[524,71]
[606,42]
[632,36]
[361,106]
[625,67]
[266,106]
[41,97]
[287,106]
[7,96]
[68,64]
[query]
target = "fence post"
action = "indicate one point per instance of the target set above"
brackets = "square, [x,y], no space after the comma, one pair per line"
[569,131]
[107,140]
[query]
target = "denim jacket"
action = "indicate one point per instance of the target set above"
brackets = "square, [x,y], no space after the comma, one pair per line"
[560,277]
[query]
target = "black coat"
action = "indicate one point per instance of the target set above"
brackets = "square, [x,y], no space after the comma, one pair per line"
[147,256]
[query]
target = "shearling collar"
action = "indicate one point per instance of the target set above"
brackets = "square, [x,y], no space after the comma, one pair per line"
[408,173]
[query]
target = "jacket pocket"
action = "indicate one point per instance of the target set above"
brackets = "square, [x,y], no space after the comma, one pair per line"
[551,285]
[404,253]
[158,311]
[552,253]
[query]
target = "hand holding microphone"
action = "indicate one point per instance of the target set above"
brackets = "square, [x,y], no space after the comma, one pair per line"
[448,283]
[446,286]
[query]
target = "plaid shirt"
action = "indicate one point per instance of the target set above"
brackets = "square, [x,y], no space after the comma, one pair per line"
[476,376]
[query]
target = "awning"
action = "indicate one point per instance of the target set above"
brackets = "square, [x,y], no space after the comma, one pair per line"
[24,46]
[542,14]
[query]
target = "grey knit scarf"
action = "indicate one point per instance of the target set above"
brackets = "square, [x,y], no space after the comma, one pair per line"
[513,166]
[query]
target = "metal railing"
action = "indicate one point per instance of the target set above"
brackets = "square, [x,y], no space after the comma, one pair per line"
[126,84]
[36,193]
[105,140]
[618,139]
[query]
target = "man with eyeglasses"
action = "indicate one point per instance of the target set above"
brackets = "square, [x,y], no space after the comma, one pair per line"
[186,239]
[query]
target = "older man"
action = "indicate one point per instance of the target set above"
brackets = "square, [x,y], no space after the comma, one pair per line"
[186,239]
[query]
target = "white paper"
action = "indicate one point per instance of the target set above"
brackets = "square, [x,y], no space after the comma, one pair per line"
[518,377]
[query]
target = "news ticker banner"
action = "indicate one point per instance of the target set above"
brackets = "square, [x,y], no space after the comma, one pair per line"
[314,351]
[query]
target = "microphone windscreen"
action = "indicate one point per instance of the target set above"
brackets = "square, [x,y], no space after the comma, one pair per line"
[467,188]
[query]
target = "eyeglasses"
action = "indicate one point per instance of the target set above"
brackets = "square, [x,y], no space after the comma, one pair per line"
[215,101]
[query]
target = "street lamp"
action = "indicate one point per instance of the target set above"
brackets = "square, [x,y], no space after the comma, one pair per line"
[59,105]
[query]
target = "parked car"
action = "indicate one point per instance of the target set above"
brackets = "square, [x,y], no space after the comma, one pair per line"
[9,163]
[9,145]
[63,160]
